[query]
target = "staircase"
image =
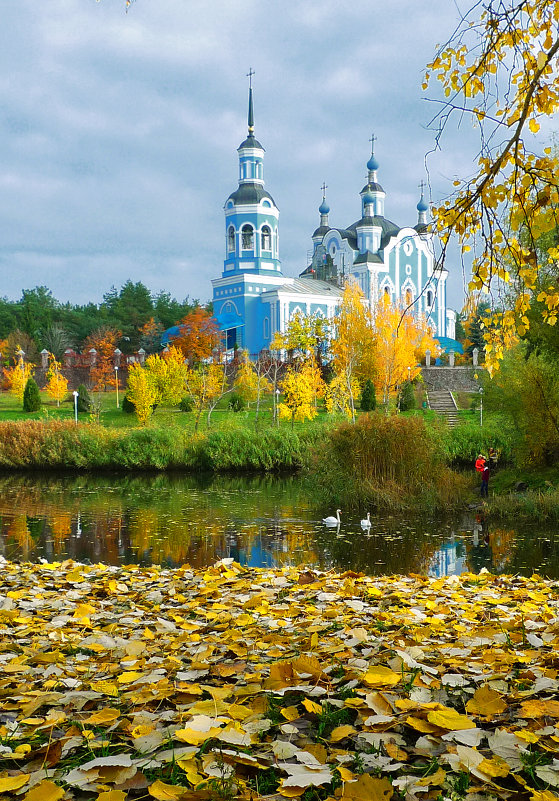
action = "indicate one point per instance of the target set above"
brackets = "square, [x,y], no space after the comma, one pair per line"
[442,402]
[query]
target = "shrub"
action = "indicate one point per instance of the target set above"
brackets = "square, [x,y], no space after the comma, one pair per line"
[383,462]
[31,396]
[186,404]
[127,405]
[84,399]
[236,403]
[368,397]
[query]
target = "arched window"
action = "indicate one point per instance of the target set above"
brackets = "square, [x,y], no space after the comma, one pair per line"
[231,239]
[266,328]
[429,298]
[386,295]
[409,297]
[266,238]
[247,232]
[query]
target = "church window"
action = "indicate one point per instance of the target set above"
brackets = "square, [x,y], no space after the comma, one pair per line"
[266,328]
[266,238]
[408,247]
[408,269]
[267,204]
[429,298]
[409,297]
[231,239]
[247,237]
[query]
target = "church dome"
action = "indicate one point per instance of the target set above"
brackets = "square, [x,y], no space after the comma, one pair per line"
[248,194]
[372,164]
[368,198]
[250,141]
[372,187]
[324,208]
[422,205]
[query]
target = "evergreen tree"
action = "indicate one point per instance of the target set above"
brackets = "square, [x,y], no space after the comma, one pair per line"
[368,397]
[84,399]
[407,397]
[31,396]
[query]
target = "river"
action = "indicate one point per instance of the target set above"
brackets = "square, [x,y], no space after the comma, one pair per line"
[259,521]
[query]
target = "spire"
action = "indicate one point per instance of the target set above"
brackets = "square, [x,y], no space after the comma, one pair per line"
[372,164]
[324,208]
[422,206]
[250,73]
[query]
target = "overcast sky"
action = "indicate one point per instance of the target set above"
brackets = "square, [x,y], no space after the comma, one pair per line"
[119,132]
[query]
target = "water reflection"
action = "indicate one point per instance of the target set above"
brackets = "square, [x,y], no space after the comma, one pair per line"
[263,521]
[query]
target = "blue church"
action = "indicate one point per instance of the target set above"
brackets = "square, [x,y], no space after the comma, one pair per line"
[253,299]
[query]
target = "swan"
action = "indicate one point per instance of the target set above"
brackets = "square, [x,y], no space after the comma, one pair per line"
[366,523]
[331,520]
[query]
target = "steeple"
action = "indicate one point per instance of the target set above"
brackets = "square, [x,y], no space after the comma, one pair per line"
[324,208]
[251,216]
[372,194]
[422,207]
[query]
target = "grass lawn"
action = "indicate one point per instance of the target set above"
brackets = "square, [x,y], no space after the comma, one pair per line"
[164,417]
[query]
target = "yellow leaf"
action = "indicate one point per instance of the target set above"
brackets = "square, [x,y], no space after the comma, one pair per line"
[45,791]
[84,610]
[420,724]
[379,675]
[494,767]
[543,795]
[166,792]
[13,782]
[142,730]
[290,713]
[538,709]
[346,775]
[341,732]
[436,778]
[194,736]
[486,702]
[291,792]
[312,706]
[129,676]
[450,719]
[527,736]
[104,687]
[367,788]
[112,795]
[534,126]
[107,715]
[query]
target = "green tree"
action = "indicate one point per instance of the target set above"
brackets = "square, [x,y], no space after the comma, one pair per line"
[406,401]
[368,397]
[38,310]
[84,399]
[31,396]
[129,309]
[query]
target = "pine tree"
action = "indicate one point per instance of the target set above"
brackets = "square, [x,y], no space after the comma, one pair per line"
[407,397]
[84,399]
[368,397]
[31,396]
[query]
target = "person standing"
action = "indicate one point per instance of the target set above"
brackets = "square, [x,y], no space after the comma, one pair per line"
[485,481]
[480,463]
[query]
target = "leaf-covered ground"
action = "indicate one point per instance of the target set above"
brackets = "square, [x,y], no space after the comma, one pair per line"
[128,683]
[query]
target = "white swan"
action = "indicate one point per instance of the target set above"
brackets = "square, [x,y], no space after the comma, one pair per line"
[366,523]
[332,521]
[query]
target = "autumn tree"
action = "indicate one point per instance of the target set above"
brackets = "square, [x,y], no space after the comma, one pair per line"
[57,385]
[353,344]
[303,333]
[299,390]
[206,383]
[168,374]
[401,340]
[104,341]
[198,335]
[501,68]
[142,392]
[246,379]
[18,376]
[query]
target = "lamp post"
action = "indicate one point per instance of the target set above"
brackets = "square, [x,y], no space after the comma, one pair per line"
[116,382]
[75,393]
[481,406]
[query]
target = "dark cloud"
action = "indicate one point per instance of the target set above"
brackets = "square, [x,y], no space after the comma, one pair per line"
[118,132]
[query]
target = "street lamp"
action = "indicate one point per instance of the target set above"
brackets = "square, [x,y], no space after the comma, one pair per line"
[75,393]
[116,381]
[481,406]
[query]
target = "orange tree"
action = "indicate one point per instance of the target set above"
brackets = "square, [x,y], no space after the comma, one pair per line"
[198,335]
[104,341]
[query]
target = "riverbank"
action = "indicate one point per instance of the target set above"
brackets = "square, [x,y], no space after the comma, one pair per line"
[232,682]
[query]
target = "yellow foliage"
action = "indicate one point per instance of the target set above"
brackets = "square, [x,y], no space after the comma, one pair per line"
[57,385]
[299,392]
[142,392]
[17,377]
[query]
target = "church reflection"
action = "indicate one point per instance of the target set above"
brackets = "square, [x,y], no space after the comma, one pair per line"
[259,522]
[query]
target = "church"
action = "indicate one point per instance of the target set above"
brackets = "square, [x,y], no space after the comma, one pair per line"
[253,299]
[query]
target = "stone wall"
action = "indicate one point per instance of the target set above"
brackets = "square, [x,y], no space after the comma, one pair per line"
[456,379]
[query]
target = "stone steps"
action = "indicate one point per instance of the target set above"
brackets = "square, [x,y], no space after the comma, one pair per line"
[442,402]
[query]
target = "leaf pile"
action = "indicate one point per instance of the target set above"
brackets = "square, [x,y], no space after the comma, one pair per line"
[231,682]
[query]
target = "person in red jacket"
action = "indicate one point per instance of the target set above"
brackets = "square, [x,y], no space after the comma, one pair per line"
[480,463]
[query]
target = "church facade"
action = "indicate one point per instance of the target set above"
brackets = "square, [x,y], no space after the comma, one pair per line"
[253,299]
